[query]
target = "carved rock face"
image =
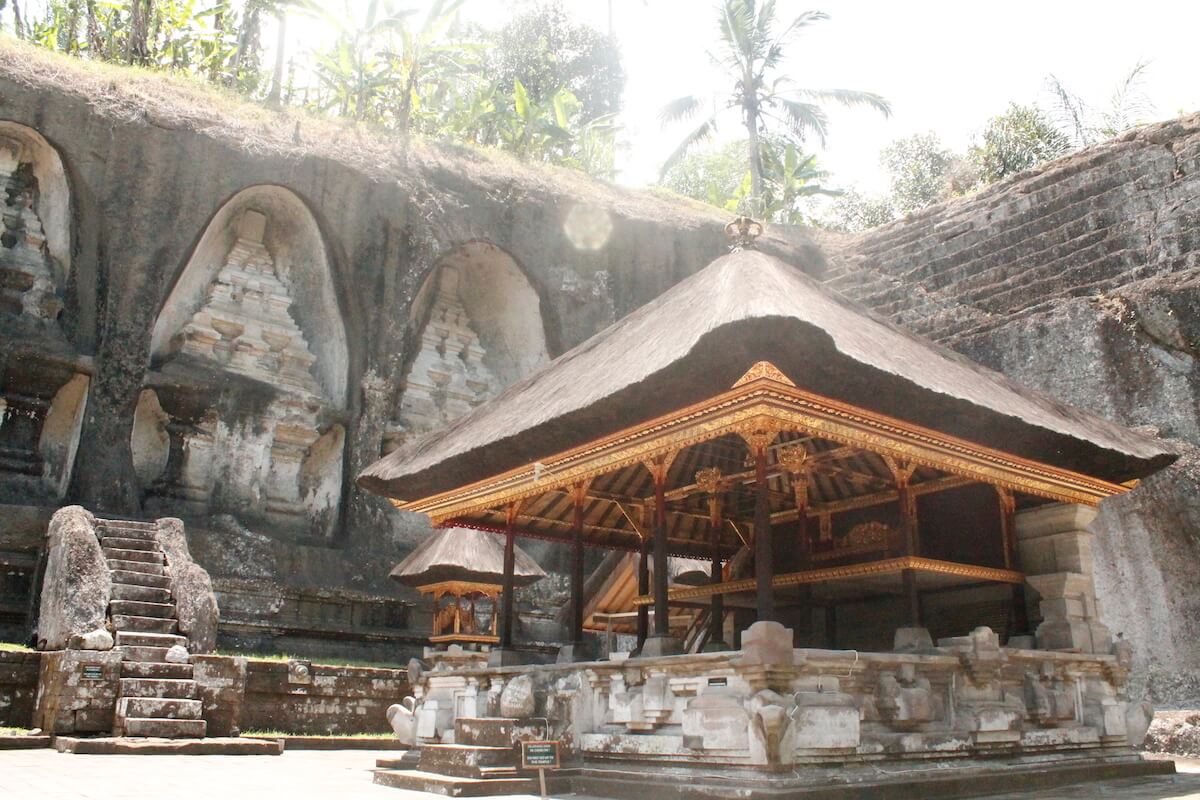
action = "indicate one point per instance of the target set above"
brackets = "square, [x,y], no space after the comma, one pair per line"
[517,700]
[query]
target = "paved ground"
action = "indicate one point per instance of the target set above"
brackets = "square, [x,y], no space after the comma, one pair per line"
[340,775]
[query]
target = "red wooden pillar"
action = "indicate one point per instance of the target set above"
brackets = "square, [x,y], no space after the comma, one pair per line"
[578,499]
[506,612]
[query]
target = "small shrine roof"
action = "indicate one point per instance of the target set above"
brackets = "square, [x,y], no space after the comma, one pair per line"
[464,555]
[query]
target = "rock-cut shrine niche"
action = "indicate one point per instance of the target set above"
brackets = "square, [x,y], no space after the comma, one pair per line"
[478,328]
[42,397]
[244,409]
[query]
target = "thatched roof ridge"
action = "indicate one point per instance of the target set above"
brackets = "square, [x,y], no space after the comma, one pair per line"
[464,554]
[696,339]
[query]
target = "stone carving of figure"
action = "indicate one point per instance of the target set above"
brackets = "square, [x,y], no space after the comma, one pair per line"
[403,719]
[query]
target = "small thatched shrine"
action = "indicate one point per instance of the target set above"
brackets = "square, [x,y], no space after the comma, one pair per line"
[462,569]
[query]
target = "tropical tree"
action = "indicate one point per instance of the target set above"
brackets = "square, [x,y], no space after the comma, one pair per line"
[355,70]
[752,49]
[1019,139]
[1128,106]
[546,50]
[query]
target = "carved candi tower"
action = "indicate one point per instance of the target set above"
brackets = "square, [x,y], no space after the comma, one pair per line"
[42,391]
[448,377]
[277,452]
[26,266]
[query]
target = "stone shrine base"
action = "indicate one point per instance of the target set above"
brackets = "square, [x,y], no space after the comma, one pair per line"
[917,781]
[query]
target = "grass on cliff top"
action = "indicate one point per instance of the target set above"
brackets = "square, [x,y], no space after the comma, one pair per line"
[273,734]
[175,101]
[13,647]
[327,662]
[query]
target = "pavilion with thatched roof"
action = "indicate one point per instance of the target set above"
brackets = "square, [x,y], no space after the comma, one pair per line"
[457,566]
[750,409]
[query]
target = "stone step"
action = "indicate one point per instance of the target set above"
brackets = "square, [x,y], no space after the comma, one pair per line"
[496,731]
[148,639]
[166,728]
[146,594]
[129,622]
[135,578]
[463,760]
[158,687]
[120,564]
[151,669]
[152,655]
[121,554]
[447,786]
[121,543]
[141,608]
[127,525]
[159,708]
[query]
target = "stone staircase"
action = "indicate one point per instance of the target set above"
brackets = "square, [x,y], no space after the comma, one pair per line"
[155,698]
[484,761]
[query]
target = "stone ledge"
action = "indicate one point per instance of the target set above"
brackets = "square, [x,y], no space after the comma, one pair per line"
[1056,518]
[168,747]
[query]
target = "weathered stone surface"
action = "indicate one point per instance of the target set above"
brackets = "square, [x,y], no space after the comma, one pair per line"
[77,585]
[517,700]
[177,654]
[195,603]
[338,700]
[18,688]
[77,691]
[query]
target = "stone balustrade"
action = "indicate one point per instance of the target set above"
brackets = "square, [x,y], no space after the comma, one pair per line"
[769,705]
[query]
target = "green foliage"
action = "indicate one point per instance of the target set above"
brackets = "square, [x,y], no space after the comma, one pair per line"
[920,169]
[387,65]
[547,51]
[1019,139]
[720,178]
[854,212]
[752,50]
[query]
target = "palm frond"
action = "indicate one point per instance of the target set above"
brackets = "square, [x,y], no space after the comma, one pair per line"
[803,119]
[680,108]
[850,98]
[701,133]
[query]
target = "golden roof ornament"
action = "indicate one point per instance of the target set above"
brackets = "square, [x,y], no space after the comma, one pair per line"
[742,232]
[709,480]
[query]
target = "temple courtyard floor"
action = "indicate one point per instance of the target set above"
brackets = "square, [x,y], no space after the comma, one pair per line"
[305,775]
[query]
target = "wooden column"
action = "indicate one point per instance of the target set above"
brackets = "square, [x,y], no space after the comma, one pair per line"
[1008,533]
[794,460]
[507,588]
[643,612]
[764,568]
[709,480]
[662,613]
[902,472]
[578,499]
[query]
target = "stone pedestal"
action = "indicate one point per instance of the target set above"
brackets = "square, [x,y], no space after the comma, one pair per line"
[1055,549]
[657,646]
[576,652]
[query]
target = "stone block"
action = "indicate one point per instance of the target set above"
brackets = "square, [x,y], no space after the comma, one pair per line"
[77,585]
[912,640]
[221,688]
[718,719]
[825,721]
[74,681]
[767,643]
[659,646]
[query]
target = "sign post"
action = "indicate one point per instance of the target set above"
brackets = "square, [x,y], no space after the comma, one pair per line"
[540,756]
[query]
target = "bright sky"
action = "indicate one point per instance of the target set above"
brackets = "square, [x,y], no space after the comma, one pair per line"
[944,66]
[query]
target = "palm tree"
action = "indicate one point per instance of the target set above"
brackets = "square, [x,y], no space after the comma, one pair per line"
[751,52]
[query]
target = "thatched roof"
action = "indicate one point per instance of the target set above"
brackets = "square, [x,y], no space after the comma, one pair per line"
[463,554]
[696,339]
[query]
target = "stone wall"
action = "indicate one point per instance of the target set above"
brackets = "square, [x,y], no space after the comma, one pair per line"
[1081,279]
[18,688]
[299,697]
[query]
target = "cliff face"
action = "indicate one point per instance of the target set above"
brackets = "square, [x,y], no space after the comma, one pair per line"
[246,298]
[1081,279]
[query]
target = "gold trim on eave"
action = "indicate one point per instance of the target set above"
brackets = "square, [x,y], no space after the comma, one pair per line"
[766,402]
